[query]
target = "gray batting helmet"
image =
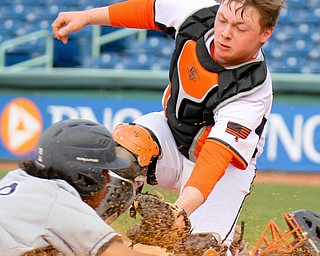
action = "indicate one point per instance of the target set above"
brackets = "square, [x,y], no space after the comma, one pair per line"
[80,150]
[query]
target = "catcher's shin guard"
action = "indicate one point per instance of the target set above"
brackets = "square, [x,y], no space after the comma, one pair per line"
[142,144]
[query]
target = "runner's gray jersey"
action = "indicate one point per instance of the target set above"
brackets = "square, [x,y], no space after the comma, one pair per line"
[41,212]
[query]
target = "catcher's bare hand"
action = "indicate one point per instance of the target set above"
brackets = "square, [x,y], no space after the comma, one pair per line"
[68,22]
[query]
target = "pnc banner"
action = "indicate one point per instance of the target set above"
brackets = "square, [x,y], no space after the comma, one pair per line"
[292,142]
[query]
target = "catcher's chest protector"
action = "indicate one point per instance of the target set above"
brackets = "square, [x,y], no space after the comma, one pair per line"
[199,84]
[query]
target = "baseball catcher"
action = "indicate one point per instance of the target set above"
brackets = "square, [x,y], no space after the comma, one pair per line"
[159,219]
[162,224]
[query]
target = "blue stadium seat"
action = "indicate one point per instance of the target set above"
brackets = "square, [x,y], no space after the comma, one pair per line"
[277,66]
[312,4]
[315,37]
[295,63]
[296,3]
[160,63]
[285,16]
[114,46]
[314,52]
[9,27]
[137,61]
[311,66]
[106,60]
[16,54]
[268,46]
[294,32]
[23,2]
[295,43]
[298,47]
[154,45]
[67,55]
[288,64]
[113,60]
[5,3]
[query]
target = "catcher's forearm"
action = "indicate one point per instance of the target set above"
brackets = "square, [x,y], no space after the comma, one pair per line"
[98,16]
[190,199]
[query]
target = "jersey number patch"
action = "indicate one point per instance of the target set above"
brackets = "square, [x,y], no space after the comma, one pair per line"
[8,190]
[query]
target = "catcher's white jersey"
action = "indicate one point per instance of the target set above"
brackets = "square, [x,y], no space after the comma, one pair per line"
[36,213]
[220,211]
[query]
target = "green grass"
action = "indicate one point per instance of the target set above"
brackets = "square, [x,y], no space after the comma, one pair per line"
[2,174]
[271,201]
[267,201]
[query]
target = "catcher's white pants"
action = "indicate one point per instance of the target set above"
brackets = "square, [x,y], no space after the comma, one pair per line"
[220,211]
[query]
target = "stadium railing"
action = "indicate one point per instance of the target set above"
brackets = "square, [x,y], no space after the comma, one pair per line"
[45,59]
[98,40]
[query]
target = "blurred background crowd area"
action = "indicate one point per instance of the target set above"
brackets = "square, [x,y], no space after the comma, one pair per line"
[294,47]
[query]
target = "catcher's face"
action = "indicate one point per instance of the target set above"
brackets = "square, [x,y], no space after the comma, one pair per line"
[238,33]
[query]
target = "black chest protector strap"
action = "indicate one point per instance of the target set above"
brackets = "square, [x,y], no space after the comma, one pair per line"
[193,28]
[231,82]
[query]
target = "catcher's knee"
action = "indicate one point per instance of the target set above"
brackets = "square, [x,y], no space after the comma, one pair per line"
[140,147]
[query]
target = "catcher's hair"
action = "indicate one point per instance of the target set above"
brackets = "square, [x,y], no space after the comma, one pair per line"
[269,10]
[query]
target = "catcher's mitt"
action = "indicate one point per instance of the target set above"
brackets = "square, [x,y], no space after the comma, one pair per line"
[157,222]
[45,251]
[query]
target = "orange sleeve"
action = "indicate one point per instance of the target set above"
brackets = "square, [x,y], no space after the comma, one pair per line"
[133,14]
[212,162]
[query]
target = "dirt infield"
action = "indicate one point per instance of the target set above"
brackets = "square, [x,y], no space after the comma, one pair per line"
[311,179]
[7,166]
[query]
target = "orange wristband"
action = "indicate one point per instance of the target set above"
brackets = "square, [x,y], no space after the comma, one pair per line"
[212,162]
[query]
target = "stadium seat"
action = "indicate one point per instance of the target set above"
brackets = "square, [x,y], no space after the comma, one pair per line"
[67,55]
[138,61]
[161,63]
[18,54]
[106,60]
[277,66]
[295,42]
[115,46]
[153,45]
[296,3]
[312,66]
